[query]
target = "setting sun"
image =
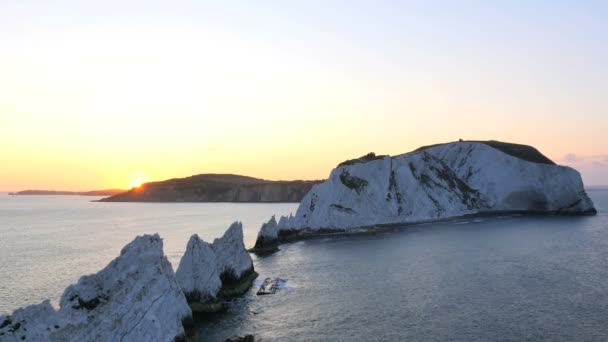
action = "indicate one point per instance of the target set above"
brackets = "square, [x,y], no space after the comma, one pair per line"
[136,182]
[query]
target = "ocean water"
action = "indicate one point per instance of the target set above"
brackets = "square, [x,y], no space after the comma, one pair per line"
[48,242]
[510,278]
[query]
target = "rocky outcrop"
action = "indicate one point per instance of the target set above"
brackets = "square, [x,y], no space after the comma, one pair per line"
[135,298]
[216,188]
[268,238]
[198,273]
[210,273]
[434,183]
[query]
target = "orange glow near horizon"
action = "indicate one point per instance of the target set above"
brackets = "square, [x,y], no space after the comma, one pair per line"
[136,182]
[91,101]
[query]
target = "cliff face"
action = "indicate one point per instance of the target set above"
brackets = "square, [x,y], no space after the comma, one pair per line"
[138,297]
[207,269]
[216,188]
[439,182]
[135,298]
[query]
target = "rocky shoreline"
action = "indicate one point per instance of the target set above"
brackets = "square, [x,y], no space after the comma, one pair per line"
[265,247]
[138,297]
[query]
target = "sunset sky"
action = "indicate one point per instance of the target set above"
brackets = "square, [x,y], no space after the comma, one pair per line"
[107,94]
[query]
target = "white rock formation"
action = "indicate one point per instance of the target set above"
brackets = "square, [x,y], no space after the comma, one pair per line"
[233,258]
[207,268]
[268,234]
[198,272]
[135,298]
[434,183]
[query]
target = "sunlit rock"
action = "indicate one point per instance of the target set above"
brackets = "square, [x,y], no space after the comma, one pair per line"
[209,273]
[135,298]
[198,274]
[433,183]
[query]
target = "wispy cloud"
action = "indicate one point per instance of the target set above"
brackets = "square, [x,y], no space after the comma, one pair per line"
[594,168]
[571,158]
[599,160]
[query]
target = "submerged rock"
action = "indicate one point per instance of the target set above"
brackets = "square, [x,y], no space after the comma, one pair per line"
[433,183]
[209,273]
[135,298]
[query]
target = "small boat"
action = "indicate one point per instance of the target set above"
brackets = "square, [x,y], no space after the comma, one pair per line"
[270,286]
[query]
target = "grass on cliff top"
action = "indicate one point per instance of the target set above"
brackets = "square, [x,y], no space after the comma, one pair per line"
[520,151]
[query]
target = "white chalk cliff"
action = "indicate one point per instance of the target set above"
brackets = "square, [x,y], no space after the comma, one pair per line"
[135,298]
[233,258]
[434,183]
[198,273]
[206,268]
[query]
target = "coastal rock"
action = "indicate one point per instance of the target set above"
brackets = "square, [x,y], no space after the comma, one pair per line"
[209,273]
[234,260]
[135,298]
[268,236]
[434,183]
[31,323]
[198,272]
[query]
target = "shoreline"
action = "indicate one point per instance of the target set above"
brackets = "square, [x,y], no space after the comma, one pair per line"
[293,235]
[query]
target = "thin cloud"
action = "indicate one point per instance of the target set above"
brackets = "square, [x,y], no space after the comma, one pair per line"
[597,160]
[571,158]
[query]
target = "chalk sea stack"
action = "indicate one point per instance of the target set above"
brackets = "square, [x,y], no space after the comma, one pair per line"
[138,297]
[135,298]
[433,183]
[210,273]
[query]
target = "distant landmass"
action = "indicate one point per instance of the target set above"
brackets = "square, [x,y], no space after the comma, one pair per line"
[107,192]
[216,188]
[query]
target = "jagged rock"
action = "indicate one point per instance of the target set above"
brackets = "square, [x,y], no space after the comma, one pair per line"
[135,298]
[267,240]
[198,272]
[209,273]
[231,253]
[434,183]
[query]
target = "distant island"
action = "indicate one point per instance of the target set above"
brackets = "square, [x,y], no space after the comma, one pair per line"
[107,192]
[216,188]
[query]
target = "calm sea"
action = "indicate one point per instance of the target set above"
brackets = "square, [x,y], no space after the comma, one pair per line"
[512,278]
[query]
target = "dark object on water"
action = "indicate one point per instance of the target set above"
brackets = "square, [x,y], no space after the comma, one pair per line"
[270,286]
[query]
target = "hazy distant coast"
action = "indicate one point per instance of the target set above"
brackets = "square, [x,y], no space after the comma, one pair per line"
[107,192]
[217,188]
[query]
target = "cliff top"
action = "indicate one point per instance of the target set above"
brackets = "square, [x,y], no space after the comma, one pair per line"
[520,151]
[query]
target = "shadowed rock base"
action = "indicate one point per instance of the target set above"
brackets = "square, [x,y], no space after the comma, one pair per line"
[246,338]
[230,289]
[293,235]
[265,249]
[233,289]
